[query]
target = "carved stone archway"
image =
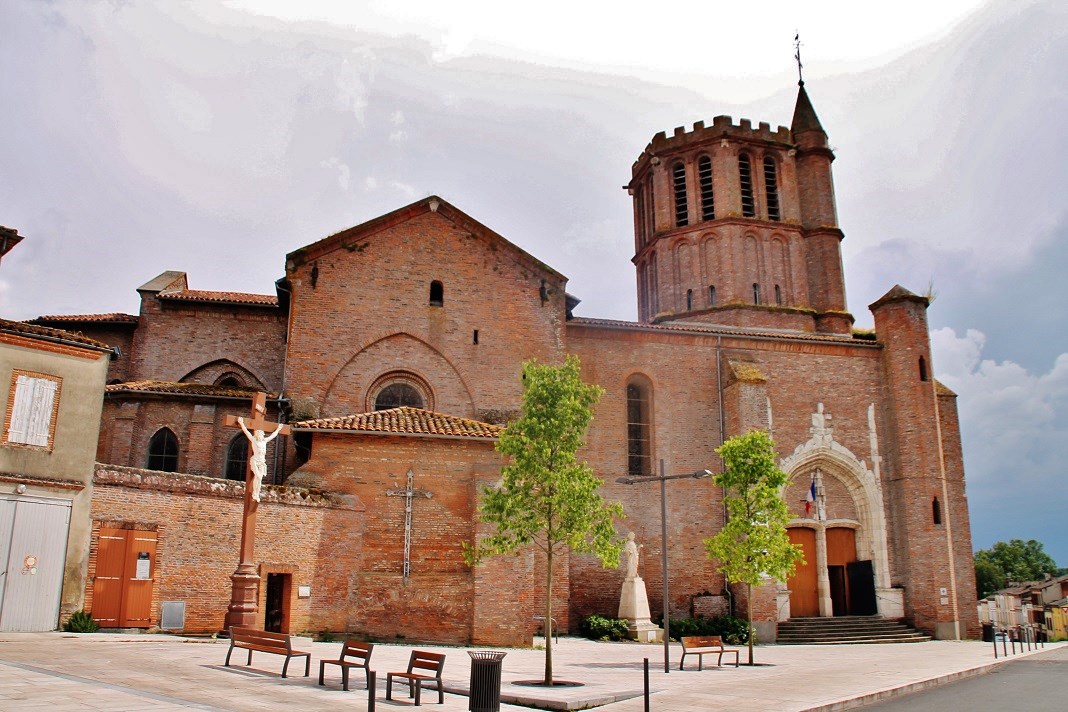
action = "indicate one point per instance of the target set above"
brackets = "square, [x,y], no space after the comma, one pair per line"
[823,454]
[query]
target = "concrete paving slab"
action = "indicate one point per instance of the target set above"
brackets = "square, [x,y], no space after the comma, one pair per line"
[63,671]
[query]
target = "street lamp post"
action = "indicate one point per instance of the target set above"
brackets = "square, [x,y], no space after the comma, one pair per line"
[662,478]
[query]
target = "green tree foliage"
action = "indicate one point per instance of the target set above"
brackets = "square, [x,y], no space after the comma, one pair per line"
[1015,561]
[753,543]
[546,497]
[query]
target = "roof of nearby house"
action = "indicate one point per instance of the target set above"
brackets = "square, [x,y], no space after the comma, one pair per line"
[188,389]
[404,421]
[210,297]
[111,318]
[714,330]
[49,334]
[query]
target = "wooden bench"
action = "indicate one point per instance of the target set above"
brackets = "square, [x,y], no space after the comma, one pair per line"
[420,660]
[702,645]
[266,642]
[354,654]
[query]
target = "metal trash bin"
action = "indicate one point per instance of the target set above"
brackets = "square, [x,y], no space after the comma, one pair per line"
[485,691]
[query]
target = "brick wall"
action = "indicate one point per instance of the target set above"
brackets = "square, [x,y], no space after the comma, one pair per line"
[176,339]
[130,420]
[437,601]
[198,522]
[385,278]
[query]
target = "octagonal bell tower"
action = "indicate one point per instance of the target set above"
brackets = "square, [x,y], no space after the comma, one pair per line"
[737,226]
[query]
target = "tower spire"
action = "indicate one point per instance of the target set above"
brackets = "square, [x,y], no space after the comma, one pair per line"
[797,56]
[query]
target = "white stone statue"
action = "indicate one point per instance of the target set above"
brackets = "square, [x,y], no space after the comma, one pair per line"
[630,556]
[258,457]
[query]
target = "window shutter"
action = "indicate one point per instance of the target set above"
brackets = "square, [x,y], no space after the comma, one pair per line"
[44,395]
[20,411]
[31,412]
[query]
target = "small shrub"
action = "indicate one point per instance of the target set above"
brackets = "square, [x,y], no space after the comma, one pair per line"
[81,622]
[600,628]
[734,631]
[326,636]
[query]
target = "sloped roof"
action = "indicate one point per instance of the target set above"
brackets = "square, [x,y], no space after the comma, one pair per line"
[805,118]
[431,204]
[695,328]
[210,297]
[47,332]
[943,390]
[111,318]
[186,389]
[898,294]
[404,421]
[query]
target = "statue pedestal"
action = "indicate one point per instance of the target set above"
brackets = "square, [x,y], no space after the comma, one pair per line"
[634,608]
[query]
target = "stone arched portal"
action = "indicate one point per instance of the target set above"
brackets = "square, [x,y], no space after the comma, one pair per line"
[843,530]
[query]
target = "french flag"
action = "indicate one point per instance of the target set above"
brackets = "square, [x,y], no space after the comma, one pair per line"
[810,497]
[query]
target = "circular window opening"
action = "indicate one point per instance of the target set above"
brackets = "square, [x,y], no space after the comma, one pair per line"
[396,395]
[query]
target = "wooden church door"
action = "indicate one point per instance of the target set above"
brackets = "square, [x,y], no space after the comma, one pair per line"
[804,595]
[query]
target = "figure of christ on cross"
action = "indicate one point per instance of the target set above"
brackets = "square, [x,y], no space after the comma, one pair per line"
[408,492]
[244,608]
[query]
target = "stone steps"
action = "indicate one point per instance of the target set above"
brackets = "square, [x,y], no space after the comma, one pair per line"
[842,630]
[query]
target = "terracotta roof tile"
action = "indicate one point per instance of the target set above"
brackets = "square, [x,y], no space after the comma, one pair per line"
[200,295]
[405,421]
[188,389]
[112,318]
[690,328]
[21,327]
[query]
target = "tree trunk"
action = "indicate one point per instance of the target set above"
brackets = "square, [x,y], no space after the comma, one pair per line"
[548,627]
[749,617]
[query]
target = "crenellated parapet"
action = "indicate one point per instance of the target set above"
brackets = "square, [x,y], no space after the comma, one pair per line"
[723,127]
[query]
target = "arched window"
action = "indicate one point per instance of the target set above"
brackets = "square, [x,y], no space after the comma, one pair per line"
[639,452]
[745,179]
[771,188]
[689,299]
[163,451]
[237,458]
[639,222]
[936,511]
[437,294]
[650,202]
[399,394]
[756,293]
[778,295]
[708,201]
[229,379]
[923,369]
[678,182]
[711,295]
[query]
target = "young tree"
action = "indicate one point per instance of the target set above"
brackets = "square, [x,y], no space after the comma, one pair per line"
[546,497]
[753,543]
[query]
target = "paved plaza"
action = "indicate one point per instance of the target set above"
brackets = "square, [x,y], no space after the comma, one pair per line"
[118,672]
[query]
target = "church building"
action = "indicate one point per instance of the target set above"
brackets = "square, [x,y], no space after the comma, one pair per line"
[393,350]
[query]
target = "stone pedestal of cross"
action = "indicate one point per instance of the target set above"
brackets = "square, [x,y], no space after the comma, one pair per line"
[244,606]
[408,493]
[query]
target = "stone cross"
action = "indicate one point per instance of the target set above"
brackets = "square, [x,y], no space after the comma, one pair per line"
[244,607]
[408,493]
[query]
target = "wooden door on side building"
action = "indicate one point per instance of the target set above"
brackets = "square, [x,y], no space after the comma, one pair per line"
[125,572]
[804,595]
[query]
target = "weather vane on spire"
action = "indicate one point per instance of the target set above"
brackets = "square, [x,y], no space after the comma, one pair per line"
[797,56]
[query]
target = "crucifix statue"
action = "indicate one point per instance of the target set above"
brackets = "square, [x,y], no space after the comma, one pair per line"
[243,604]
[408,492]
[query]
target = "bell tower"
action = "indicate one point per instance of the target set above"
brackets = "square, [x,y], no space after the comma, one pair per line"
[737,226]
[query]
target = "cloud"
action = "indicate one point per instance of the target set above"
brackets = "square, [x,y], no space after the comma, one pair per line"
[1014,424]
[344,174]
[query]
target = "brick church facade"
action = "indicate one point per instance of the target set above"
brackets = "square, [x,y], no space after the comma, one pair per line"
[393,349]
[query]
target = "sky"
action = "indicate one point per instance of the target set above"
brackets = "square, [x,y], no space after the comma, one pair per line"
[215,137]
